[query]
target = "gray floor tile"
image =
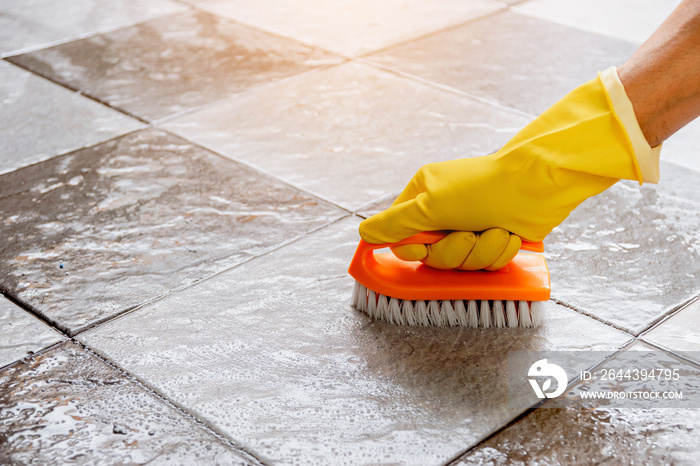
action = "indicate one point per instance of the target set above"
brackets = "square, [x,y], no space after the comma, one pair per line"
[66,406]
[631,254]
[272,354]
[595,435]
[352,27]
[22,333]
[41,119]
[31,24]
[680,332]
[509,58]
[100,230]
[172,64]
[351,134]
[631,21]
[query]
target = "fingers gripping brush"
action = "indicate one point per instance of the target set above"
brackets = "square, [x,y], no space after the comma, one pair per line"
[411,293]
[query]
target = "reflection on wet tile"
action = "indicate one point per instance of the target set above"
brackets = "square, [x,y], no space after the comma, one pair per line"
[100,230]
[680,332]
[66,406]
[35,23]
[631,20]
[22,333]
[630,254]
[272,354]
[350,134]
[509,58]
[682,148]
[172,64]
[595,435]
[41,120]
[352,27]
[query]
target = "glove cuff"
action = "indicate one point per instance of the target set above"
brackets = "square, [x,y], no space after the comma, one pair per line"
[647,157]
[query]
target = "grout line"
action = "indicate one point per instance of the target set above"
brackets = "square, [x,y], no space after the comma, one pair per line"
[592,316]
[87,35]
[455,459]
[170,403]
[537,405]
[35,312]
[445,88]
[670,351]
[259,171]
[26,358]
[142,385]
[264,30]
[669,314]
[264,86]
[63,154]
[342,59]
[162,296]
[374,202]
[80,93]
[501,8]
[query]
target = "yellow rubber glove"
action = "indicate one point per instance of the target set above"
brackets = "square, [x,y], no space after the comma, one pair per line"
[576,149]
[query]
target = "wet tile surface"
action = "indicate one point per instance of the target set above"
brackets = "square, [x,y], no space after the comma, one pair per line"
[172,64]
[595,435]
[272,354]
[352,27]
[22,333]
[75,121]
[35,23]
[561,436]
[351,134]
[630,254]
[66,406]
[633,21]
[680,332]
[526,73]
[97,231]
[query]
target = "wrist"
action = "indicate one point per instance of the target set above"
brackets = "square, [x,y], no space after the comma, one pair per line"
[646,157]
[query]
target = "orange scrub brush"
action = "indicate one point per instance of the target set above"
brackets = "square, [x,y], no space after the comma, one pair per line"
[411,293]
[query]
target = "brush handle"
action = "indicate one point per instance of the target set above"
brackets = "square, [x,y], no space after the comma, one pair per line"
[431,237]
[525,278]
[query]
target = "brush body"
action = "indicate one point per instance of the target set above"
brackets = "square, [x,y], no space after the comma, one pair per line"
[411,293]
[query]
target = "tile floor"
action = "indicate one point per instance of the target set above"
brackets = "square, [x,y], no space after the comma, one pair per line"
[180,188]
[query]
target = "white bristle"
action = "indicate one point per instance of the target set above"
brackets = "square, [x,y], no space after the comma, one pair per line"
[407,311]
[434,313]
[394,310]
[356,293]
[485,314]
[421,311]
[511,314]
[499,316]
[524,314]
[362,299]
[382,308]
[461,313]
[448,313]
[372,304]
[399,316]
[472,314]
[537,313]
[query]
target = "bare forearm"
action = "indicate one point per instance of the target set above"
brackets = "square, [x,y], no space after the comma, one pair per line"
[662,78]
